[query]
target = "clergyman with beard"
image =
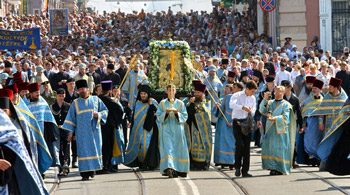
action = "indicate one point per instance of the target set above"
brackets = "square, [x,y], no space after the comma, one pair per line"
[198,129]
[85,117]
[230,80]
[47,123]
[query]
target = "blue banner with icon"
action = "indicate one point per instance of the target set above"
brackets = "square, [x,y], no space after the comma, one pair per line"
[28,39]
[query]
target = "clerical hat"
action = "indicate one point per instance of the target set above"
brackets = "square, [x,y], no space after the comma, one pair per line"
[4,103]
[231,74]
[310,79]
[110,66]
[145,88]
[12,87]
[335,82]
[4,75]
[200,87]
[107,85]
[258,74]
[212,68]
[33,87]
[6,93]
[22,86]
[81,83]
[318,83]
[194,82]
[244,73]
[17,77]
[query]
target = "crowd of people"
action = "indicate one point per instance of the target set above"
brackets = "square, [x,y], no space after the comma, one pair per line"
[74,102]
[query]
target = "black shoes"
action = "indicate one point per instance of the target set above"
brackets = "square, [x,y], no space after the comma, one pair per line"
[247,175]
[85,179]
[169,172]
[238,172]
[273,172]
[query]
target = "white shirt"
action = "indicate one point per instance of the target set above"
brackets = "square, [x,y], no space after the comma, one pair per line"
[283,75]
[240,99]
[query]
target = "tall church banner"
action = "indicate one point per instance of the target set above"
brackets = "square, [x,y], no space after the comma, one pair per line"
[28,39]
[59,22]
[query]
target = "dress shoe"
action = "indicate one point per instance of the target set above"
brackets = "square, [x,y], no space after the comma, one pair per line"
[169,172]
[238,173]
[231,167]
[74,165]
[85,179]
[247,175]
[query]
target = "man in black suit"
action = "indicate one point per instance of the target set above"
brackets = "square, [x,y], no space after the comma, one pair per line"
[344,75]
[122,68]
[47,72]
[294,101]
[71,95]
[59,110]
[59,79]
[111,75]
[99,69]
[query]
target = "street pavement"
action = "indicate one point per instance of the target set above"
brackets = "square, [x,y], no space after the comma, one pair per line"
[303,180]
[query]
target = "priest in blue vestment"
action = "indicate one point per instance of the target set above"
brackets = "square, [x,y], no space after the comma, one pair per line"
[19,174]
[278,144]
[142,150]
[85,117]
[224,148]
[132,81]
[198,129]
[308,141]
[173,149]
[334,149]
[214,86]
[331,105]
[47,123]
[39,151]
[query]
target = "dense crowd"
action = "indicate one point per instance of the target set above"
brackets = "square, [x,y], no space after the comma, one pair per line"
[242,74]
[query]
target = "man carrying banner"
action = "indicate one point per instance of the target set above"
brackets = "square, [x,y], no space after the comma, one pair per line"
[224,149]
[85,117]
[172,139]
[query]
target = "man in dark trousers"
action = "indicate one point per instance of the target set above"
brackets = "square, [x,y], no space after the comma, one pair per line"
[243,103]
[114,119]
[59,110]
[294,101]
[71,95]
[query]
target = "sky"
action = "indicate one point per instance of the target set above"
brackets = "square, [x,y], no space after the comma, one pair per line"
[155,6]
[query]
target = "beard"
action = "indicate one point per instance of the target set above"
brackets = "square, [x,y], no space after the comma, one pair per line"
[144,101]
[198,99]
[84,95]
[211,77]
[34,99]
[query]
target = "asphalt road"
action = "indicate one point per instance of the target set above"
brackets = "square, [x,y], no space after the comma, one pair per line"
[303,180]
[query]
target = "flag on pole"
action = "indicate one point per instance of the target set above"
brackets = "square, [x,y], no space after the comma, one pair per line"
[44,6]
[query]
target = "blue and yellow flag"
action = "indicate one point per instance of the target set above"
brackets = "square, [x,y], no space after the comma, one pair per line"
[28,39]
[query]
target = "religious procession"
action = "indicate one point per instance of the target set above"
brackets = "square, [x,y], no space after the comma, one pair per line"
[189,103]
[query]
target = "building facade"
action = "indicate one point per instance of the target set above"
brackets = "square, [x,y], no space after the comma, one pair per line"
[303,20]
